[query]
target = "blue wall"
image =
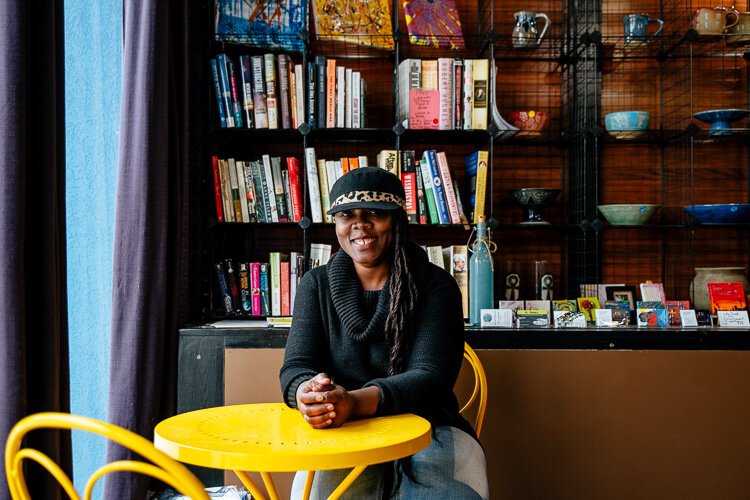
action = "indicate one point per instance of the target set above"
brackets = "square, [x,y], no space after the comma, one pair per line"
[93,44]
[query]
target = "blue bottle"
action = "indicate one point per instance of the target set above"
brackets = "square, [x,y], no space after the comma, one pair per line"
[481,274]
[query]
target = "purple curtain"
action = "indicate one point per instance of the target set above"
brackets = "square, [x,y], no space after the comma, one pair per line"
[33,304]
[148,276]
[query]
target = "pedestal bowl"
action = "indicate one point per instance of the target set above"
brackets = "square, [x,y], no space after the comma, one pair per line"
[721,119]
[533,200]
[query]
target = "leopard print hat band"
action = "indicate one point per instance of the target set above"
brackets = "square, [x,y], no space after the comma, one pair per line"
[367,187]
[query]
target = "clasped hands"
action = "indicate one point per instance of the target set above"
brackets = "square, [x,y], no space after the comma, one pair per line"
[323,403]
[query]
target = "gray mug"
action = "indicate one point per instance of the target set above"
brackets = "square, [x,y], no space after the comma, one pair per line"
[636,27]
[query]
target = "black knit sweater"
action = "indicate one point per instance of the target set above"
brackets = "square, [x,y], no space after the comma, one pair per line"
[338,328]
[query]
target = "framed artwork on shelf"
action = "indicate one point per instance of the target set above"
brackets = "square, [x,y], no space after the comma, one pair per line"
[623,293]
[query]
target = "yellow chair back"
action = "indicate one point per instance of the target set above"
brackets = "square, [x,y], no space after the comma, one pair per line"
[161,467]
[479,392]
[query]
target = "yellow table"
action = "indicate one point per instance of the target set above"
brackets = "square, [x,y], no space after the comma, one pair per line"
[271,437]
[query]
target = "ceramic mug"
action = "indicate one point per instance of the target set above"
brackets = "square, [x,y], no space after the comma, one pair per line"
[636,27]
[525,32]
[714,21]
[740,32]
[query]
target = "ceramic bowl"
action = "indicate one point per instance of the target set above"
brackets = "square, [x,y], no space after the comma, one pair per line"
[532,200]
[627,214]
[530,122]
[721,119]
[721,213]
[627,124]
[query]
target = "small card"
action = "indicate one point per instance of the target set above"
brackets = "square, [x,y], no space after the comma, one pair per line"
[532,318]
[736,319]
[587,305]
[603,317]
[687,318]
[564,305]
[569,319]
[653,292]
[502,318]
[704,318]
[652,317]
[542,305]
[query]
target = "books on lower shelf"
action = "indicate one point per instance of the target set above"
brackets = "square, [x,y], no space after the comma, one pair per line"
[257,289]
[265,190]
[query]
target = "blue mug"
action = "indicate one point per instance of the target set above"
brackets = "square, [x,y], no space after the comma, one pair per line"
[636,27]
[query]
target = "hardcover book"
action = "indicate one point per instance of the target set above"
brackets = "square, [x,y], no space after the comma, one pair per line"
[434,23]
[271,24]
[366,23]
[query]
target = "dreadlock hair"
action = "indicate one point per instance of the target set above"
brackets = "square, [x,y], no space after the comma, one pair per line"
[398,324]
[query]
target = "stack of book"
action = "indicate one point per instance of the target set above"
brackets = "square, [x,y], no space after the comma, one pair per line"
[264,190]
[270,91]
[455,260]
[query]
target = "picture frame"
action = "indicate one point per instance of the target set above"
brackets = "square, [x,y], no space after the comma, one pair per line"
[625,293]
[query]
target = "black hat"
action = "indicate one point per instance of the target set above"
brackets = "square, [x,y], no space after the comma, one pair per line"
[367,187]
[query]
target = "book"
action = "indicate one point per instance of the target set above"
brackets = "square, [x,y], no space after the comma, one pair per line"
[360,23]
[435,255]
[330,93]
[468,94]
[265,289]
[429,72]
[245,295]
[296,260]
[282,72]
[236,101]
[429,193]
[255,298]
[422,210]
[325,190]
[726,297]
[450,194]
[284,292]
[321,83]
[242,191]
[269,189]
[217,188]
[311,116]
[388,159]
[430,156]
[295,187]
[293,96]
[433,23]
[259,92]
[246,79]
[226,90]
[424,109]
[234,186]
[340,96]
[348,99]
[226,191]
[320,254]
[258,23]
[219,94]
[299,90]
[356,99]
[274,262]
[456,260]
[480,70]
[278,188]
[476,181]
[445,93]
[222,290]
[409,76]
[458,100]
[250,192]
[313,185]
[262,204]
[232,283]
[409,181]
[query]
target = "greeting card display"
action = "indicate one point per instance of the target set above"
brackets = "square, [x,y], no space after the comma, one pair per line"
[587,305]
[433,23]
[726,297]
[268,24]
[360,22]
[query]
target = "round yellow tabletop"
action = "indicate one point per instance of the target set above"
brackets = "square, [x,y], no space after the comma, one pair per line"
[272,437]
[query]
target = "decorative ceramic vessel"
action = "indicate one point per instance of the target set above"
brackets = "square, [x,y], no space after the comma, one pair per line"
[720,213]
[721,119]
[627,215]
[530,122]
[533,200]
[706,275]
[627,124]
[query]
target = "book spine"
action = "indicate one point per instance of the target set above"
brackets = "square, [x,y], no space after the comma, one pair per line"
[284,90]
[429,73]
[269,72]
[470,182]
[320,101]
[325,199]
[295,187]
[445,89]
[450,194]
[356,97]
[246,74]
[294,272]
[261,202]
[274,259]
[219,94]
[236,204]
[422,214]
[468,93]
[479,113]
[251,197]
[299,88]
[340,96]
[348,98]
[259,92]
[429,193]
[222,289]
[313,185]
[296,120]
[270,190]
[242,188]
[458,98]
[278,188]
[437,186]
[245,294]
[226,91]
[265,189]
[312,94]
[330,93]
[481,189]
[284,277]
[265,291]
[217,188]
[226,191]
[255,288]
[236,102]
[409,181]
[287,194]
[234,289]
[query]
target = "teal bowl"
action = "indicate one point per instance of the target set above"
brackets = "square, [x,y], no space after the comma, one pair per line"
[627,124]
[627,214]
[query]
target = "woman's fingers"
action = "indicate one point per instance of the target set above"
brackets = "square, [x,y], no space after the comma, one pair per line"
[318,416]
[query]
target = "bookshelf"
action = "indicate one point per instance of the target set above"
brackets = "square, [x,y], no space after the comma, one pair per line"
[580,71]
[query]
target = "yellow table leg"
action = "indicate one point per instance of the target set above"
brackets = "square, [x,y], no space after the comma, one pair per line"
[270,485]
[308,484]
[250,485]
[348,480]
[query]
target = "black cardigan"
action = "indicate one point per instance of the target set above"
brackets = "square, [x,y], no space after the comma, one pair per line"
[338,328]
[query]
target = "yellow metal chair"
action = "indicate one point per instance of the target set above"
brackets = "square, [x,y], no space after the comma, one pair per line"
[161,467]
[478,396]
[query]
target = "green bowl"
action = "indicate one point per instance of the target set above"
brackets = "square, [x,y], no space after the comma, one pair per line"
[627,214]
